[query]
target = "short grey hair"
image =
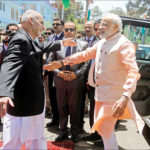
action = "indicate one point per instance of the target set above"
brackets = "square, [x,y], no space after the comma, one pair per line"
[30,14]
[115,20]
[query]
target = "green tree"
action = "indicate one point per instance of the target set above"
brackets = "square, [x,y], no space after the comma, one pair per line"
[75,14]
[96,13]
[138,8]
[119,11]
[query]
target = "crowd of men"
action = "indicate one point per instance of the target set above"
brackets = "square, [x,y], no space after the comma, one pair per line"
[22,92]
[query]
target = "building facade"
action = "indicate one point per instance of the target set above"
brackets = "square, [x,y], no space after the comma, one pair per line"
[11,10]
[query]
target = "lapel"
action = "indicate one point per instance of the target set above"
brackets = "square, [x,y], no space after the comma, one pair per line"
[74,49]
[34,47]
[61,36]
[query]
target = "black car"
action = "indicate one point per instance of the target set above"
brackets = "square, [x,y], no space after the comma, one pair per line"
[138,31]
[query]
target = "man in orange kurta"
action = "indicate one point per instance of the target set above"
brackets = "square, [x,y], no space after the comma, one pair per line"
[114,78]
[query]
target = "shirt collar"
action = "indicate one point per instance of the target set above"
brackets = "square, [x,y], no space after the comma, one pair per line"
[91,38]
[58,35]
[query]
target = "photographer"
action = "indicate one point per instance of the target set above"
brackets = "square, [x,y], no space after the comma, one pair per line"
[10,31]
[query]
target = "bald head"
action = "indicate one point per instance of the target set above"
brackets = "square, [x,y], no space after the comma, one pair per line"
[89,29]
[32,23]
[30,14]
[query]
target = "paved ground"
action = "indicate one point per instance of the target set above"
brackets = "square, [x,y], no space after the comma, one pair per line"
[126,135]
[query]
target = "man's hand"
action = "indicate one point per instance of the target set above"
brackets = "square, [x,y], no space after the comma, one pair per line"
[53,65]
[3,105]
[119,107]
[61,74]
[69,76]
[69,42]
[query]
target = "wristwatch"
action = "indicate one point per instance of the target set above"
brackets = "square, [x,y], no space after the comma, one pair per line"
[126,97]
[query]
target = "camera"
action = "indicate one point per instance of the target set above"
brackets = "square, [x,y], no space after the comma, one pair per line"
[9,34]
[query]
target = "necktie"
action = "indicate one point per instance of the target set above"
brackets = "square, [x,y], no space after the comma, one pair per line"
[68,53]
[56,37]
[89,42]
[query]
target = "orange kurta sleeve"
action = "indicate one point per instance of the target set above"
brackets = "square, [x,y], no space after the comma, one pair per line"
[83,56]
[127,57]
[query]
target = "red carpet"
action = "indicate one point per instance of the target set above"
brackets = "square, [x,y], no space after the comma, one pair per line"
[51,145]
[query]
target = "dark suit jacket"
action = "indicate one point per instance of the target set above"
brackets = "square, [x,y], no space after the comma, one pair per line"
[95,40]
[52,36]
[79,69]
[21,75]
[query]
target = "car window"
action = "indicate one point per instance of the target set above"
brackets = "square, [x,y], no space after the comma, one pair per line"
[140,36]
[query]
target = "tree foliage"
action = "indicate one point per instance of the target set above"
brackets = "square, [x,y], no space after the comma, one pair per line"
[119,11]
[96,13]
[138,8]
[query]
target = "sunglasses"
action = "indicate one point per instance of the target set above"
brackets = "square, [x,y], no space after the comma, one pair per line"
[49,33]
[71,29]
[78,37]
[56,24]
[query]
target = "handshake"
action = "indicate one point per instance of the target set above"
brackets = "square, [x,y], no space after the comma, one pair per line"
[58,64]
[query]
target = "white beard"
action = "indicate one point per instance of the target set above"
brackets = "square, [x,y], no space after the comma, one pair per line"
[106,34]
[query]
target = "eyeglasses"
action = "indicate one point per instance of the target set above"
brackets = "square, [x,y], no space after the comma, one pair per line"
[71,29]
[56,24]
[49,33]
[78,37]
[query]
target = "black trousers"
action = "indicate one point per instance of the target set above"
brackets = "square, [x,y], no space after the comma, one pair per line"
[53,98]
[91,93]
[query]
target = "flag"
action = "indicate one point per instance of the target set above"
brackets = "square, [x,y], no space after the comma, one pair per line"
[66,3]
[89,10]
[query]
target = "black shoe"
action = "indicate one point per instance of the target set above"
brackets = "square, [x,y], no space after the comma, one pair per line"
[53,123]
[75,139]
[99,143]
[82,131]
[61,137]
[117,124]
[92,137]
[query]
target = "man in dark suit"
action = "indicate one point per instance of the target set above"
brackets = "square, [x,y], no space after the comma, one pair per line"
[91,39]
[21,86]
[69,83]
[58,26]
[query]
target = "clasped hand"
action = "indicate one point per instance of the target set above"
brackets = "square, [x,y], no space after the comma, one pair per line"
[67,75]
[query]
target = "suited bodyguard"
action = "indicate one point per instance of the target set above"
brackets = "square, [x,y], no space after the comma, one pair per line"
[69,83]
[91,39]
[22,88]
[58,26]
